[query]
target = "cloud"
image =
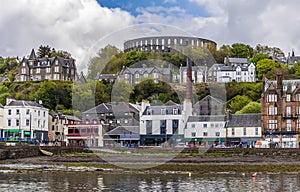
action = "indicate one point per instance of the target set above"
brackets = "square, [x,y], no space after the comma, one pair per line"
[273,23]
[72,25]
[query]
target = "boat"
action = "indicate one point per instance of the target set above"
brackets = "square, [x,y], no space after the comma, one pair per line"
[48,153]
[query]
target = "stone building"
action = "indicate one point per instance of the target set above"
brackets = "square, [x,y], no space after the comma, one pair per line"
[166,43]
[135,75]
[38,69]
[281,111]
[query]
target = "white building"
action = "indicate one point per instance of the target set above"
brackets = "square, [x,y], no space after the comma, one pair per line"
[205,130]
[225,73]
[159,124]
[198,74]
[25,120]
[244,129]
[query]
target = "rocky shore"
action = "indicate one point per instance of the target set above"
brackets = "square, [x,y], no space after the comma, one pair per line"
[199,164]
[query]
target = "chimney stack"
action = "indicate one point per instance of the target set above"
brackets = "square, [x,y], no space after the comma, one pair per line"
[188,95]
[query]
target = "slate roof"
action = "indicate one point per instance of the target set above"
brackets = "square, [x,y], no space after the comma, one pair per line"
[245,120]
[120,130]
[206,118]
[115,108]
[194,68]
[287,84]
[156,110]
[238,60]
[62,116]
[143,70]
[24,103]
[106,76]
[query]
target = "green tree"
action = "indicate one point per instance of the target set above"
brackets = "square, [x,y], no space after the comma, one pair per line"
[265,65]
[99,62]
[238,102]
[271,51]
[259,56]
[121,91]
[252,107]
[43,51]
[240,50]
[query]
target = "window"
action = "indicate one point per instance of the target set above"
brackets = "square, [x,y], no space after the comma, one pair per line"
[217,134]
[193,134]
[175,126]
[288,125]
[148,127]
[256,131]
[126,76]
[155,75]
[27,111]
[44,114]
[272,98]
[23,71]
[48,70]
[137,76]
[205,134]
[27,122]
[53,128]
[298,124]
[163,111]
[288,111]
[212,125]
[288,97]
[37,70]
[125,120]
[175,111]
[8,122]
[9,112]
[17,111]
[146,75]
[298,97]
[17,122]
[272,124]
[244,131]
[272,110]
[232,132]
[163,127]
[205,125]
[193,125]
[39,113]
[56,69]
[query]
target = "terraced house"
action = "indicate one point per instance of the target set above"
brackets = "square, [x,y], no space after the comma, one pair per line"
[281,111]
[38,69]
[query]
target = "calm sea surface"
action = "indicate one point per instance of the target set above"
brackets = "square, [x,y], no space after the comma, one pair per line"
[94,181]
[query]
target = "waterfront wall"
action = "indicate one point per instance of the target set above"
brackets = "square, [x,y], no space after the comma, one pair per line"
[16,152]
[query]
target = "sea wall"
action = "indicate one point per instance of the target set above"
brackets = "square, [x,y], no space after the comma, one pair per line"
[16,152]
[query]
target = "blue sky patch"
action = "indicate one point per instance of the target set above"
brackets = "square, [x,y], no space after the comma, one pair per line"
[135,6]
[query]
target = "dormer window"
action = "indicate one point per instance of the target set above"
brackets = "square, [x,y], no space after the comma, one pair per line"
[175,111]
[163,111]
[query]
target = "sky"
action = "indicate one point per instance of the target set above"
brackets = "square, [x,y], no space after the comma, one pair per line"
[83,26]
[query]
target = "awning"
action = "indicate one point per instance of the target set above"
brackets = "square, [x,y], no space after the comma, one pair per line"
[14,130]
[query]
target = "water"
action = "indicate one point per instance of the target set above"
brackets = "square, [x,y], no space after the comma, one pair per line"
[97,181]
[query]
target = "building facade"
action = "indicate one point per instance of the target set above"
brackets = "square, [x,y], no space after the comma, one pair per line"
[166,43]
[281,111]
[199,74]
[225,73]
[205,130]
[243,129]
[38,69]
[113,114]
[88,135]
[57,125]
[24,120]
[135,75]
[160,125]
